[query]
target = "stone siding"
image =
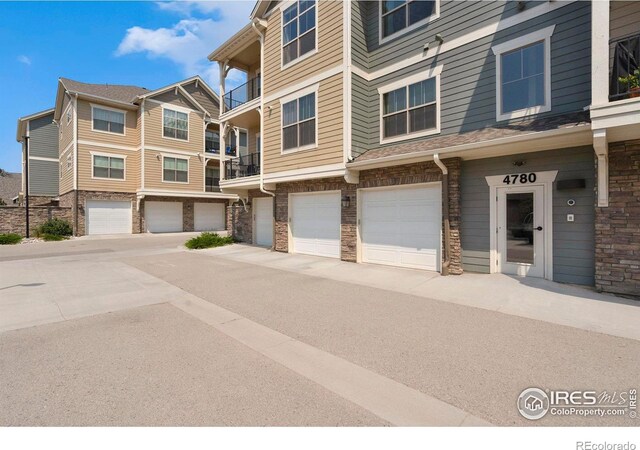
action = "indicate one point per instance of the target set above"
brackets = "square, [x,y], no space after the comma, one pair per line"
[13,218]
[240,220]
[618,225]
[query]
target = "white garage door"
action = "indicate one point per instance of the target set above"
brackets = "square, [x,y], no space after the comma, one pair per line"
[163,217]
[263,220]
[401,226]
[208,216]
[108,217]
[315,224]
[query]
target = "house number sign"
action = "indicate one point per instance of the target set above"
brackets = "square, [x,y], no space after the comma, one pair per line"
[520,178]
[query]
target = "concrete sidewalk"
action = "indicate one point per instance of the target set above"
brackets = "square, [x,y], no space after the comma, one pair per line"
[531,298]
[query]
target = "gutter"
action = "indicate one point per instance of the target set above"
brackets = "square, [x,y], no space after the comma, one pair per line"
[445,214]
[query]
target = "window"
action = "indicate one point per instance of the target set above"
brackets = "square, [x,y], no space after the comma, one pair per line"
[212,179]
[299,122]
[396,16]
[298,30]
[212,141]
[69,161]
[411,110]
[69,114]
[523,78]
[175,170]
[108,120]
[176,124]
[108,167]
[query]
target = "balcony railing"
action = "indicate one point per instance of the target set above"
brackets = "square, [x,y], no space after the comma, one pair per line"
[242,94]
[242,166]
[626,61]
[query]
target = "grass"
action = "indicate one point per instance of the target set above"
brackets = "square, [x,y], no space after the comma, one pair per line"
[10,239]
[208,240]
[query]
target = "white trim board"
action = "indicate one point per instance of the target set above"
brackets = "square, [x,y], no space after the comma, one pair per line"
[329,170]
[480,33]
[303,84]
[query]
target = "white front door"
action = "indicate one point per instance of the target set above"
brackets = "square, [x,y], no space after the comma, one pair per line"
[401,226]
[263,221]
[208,216]
[315,223]
[108,217]
[163,217]
[521,230]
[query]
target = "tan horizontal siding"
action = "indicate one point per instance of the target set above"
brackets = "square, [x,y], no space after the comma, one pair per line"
[130,138]
[625,17]
[330,30]
[330,138]
[153,172]
[66,181]
[66,129]
[203,98]
[85,170]
[153,130]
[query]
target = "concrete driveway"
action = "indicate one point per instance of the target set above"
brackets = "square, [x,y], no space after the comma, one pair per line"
[138,331]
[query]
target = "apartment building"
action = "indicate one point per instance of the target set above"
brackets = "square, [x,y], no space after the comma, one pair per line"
[42,160]
[134,160]
[439,135]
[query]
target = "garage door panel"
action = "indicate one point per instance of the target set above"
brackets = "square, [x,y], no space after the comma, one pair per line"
[163,217]
[402,227]
[315,224]
[108,217]
[208,216]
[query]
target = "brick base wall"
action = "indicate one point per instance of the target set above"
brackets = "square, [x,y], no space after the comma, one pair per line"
[13,218]
[390,176]
[240,220]
[618,225]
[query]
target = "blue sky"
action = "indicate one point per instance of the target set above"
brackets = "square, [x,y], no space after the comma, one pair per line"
[149,44]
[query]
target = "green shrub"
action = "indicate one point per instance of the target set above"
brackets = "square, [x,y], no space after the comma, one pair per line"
[208,240]
[55,227]
[10,239]
[53,237]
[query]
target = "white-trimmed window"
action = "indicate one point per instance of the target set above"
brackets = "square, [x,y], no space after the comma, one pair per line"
[175,124]
[298,30]
[108,167]
[108,120]
[212,141]
[69,114]
[400,16]
[175,170]
[299,130]
[523,75]
[411,107]
[69,161]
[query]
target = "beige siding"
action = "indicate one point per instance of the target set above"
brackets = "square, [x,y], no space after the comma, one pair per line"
[329,123]
[66,181]
[625,19]
[66,129]
[153,172]
[329,48]
[131,135]
[153,129]
[86,182]
[203,98]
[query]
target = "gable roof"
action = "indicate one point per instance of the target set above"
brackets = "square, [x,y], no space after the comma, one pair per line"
[10,186]
[22,122]
[115,92]
[180,86]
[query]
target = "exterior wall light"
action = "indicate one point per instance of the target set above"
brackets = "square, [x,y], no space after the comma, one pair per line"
[346,201]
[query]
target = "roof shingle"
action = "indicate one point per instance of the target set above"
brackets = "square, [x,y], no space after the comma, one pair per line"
[117,92]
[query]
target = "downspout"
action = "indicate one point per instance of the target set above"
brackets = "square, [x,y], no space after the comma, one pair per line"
[445,214]
[75,160]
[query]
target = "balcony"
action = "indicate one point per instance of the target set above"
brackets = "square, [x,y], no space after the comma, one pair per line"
[242,94]
[625,65]
[242,166]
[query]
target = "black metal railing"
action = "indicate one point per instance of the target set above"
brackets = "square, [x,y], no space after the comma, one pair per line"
[625,62]
[242,166]
[242,94]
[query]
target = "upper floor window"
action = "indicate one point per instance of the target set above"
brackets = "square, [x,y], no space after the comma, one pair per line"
[108,120]
[212,179]
[212,141]
[69,114]
[399,15]
[175,124]
[523,80]
[108,167]
[411,110]
[69,161]
[299,123]
[175,170]
[298,30]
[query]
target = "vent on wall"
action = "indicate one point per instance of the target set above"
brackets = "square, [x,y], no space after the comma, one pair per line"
[576,183]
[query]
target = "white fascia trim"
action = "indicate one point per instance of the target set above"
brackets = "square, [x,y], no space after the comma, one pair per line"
[543,35]
[250,105]
[346,81]
[301,85]
[110,155]
[330,170]
[43,158]
[127,148]
[67,148]
[406,81]
[241,182]
[172,106]
[480,33]
[170,193]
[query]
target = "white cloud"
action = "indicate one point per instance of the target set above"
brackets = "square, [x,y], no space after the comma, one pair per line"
[24,60]
[188,42]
